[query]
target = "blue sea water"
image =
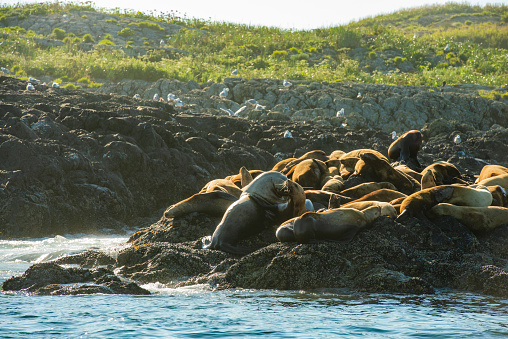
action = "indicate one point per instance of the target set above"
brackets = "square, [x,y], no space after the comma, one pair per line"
[199,312]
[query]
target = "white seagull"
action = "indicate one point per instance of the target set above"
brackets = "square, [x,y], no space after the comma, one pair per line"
[162,43]
[30,87]
[5,70]
[156,97]
[359,96]
[55,85]
[35,81]
[340,114]
[136,96]
[288,134]
[414,36]
[286,83]
[457,139]
[447,48]
[171,96]
[224,93]
[178,103]
[394,135]
[235,72]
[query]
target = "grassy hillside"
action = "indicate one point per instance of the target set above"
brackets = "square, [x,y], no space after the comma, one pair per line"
[85,44]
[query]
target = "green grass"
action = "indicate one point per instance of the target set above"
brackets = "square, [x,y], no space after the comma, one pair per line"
[478,49]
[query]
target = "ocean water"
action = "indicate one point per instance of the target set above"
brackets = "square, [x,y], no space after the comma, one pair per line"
[199,312]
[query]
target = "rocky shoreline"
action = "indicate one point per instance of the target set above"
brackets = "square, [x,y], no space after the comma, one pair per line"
[81,162]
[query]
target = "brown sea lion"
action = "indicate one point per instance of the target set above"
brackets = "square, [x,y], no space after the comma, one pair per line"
[360,190]
[441,173]
[321,199]
[265,201]
[408,171]
[333,184]
[224,185]
[336,155]
[374,168]
[316,154]
[406,147]
[282,164]
[242,179]
[418,203]
[340,224]
[477,219]
[348,161]
[491,171]
[382,195]
[214,203]
[308,173]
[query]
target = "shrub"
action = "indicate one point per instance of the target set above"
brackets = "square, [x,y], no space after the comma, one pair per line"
[468,22]
[108,37]
[84,80]
[313,50]
[111,21]
[87,38]
[126,32]
[259,63]
[84,16]
[149,25]
[279,54]
[372,55]
[94,84]
[106,42]
[70,86]
[398,60]
[295,50]
[300,56]
[58,33]
[504,17]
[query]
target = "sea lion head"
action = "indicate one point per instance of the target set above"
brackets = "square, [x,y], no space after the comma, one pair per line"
[269,187]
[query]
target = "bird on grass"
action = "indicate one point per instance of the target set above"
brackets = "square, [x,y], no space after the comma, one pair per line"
[447,48]
[235,72]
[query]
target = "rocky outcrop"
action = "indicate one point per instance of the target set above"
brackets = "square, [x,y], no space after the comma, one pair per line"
[380,107]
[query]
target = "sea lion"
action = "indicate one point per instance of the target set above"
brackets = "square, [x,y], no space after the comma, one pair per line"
[265,201]
[406,147]
[340,224]
[408,171]
[333,184]
[360,190]
[315,154]
[348,161]
[223,185]
[244,177]
[489,171]
[477,219]
[214,203]
[382,195]
[321,199]
[376,169]
[386,208]
[282,164]
[501,180]
[441,173]
[336,155]
[308,173]
[418,203]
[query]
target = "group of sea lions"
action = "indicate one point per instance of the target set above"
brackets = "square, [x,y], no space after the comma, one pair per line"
[306,199]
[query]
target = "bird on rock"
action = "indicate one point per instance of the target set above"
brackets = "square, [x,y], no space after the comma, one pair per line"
[394,135]
[457,140]
[288,134]
[224,93]
[340,113]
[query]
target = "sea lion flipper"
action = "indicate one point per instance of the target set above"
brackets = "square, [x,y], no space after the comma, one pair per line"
[246,177]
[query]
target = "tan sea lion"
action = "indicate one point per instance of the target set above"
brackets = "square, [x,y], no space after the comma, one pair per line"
[376,169]
[477,219]
[501,180]
[408,171]
[333,184]
[214,203]
[265,201]
[406,147]
[489,171]
[340,224]
[418,203]
[321,199]
[386,208]
[336,155]
[360,190]
[242,179]
[348,161]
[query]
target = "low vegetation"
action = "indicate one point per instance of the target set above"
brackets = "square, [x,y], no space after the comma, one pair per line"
[404,48]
